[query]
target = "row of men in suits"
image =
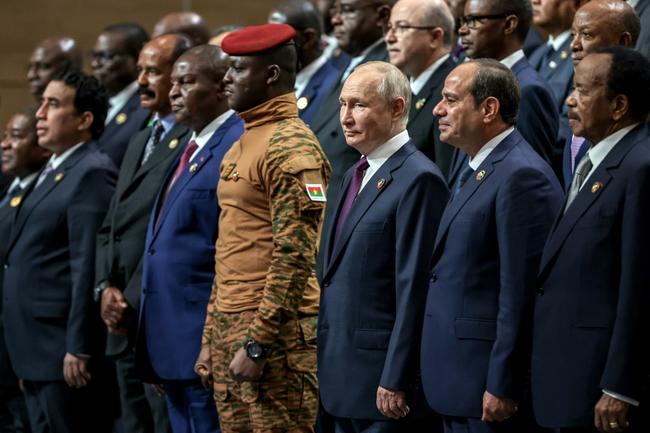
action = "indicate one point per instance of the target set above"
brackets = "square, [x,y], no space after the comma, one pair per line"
[501,294]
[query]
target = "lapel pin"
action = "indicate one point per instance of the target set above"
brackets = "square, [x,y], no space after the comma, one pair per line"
[194,167]
[480,175]
[121,118]
[420,103]
[235,176]
[380,183]
[302,103]
[552,64]
[596,186]
[315,191]
[59,176]
[564,55]
[15,202]
[173,144]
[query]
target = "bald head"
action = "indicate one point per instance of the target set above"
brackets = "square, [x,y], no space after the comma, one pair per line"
[51,57]
[602,24]
[190,24]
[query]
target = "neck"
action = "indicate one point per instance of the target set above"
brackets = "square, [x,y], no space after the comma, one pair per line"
[608,130]
[435,56]
[199,124]
[556,31]
[509,47]
[60,149]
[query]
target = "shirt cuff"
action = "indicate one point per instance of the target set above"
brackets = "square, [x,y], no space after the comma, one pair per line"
[623,398]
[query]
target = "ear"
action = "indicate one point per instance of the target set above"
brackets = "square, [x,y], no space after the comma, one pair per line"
[511,24]
[310,39]
[398,106]
[620,107]
[625,40]
[273,74]
[86,120]
[437,37]
[490,109]
[383,15]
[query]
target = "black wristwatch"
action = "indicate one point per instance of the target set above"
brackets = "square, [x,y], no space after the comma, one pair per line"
[254,350]
[97,291]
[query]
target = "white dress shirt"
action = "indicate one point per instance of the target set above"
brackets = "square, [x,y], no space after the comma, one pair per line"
[380,155]
[117,102]
[488,147]
[306,73]
[206,133]
[418,83]
[513,58]
[557,41]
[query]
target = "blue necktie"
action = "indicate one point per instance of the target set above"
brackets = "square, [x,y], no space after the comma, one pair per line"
[462,178]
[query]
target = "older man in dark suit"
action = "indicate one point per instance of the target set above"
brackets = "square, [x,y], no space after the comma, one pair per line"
[418,40]
[377,243]
[590,359]
[51,326]
[476,330]
[114,64]
[52,56]
[120,246]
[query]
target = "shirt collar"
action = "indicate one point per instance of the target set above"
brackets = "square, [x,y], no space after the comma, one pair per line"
[24,181]
[167,122]
[559,40]
[56,161]
[513,58]
[358,59]
[378,156]
[306,73]
[487,148]
[599,151]
[418,83]
[117,102]
[206,133]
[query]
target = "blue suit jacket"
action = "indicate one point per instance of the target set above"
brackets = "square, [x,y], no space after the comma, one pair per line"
[317,88]
[374,283]
[116,136]
[179,260]
[591,327]
[476,331]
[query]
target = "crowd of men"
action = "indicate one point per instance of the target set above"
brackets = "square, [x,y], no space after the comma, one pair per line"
[408,216]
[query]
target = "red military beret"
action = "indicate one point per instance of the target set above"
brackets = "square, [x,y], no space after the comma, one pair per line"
[255,39]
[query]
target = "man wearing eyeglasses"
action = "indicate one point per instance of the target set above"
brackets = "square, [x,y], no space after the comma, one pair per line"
[114,64]
[418,39]
[497,29]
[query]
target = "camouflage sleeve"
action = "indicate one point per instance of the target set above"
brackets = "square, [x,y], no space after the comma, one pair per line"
[208,327]
[295,220]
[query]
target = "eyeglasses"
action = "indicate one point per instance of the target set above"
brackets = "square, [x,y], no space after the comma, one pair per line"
[472,21]
[401,27]
[349,9]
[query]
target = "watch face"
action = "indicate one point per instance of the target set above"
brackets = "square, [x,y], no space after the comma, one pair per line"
[254,350]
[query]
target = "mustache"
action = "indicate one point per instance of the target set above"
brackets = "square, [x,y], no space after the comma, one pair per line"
[145,91]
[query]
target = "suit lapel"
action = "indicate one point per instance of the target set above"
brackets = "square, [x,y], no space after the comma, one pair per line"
[365,199]
[426,93]
[162,149]
[590,192]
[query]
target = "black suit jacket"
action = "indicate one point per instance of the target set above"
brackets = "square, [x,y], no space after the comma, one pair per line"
[49,267]
[121,129]
[327,127]
[121,239]
[423,125]
[643,42]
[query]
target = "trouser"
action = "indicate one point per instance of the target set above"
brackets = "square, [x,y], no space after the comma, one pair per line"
[285,398]
[143,410]
[328,423]
[191,407]
[454,424]
[13,411]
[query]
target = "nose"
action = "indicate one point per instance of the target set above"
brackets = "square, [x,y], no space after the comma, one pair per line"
[437,110]
[227,79]
[95,63]
[31,73]
[389,37]
[41,113]
[336,19]
[575,43]
[142,81]
[571,100]
[345,116]
[174,92]
[463,29]
[5,143]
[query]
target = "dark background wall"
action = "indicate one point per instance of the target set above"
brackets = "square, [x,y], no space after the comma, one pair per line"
[23,23]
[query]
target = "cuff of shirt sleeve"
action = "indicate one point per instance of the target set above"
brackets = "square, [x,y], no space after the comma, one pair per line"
[623,398]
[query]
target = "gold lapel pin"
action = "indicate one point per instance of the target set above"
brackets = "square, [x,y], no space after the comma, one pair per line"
[235,176]
[194,167]
[15,202]
[121,118]
[596,187]
[380,183]
[420,103]
[480,175]
[59,176]
[564,55]
[173,144]
[302,103]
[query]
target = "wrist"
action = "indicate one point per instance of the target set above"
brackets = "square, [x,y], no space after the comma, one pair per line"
[254,350]
[99,289]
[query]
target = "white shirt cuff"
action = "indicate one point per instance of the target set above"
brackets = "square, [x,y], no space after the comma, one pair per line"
[628,400]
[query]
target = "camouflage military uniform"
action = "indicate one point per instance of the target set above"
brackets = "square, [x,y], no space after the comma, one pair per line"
[265,286]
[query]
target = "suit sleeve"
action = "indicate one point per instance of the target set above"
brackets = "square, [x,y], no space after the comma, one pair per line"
[84,216]
[628,359]
[539,121]
[416,222]
[103,255]
[525,210]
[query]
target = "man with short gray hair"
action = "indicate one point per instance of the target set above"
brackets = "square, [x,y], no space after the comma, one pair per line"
[377,240]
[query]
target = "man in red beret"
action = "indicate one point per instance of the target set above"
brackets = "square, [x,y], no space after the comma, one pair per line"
[259,339]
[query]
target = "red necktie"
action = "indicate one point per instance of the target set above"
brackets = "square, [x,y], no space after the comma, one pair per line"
[185,159]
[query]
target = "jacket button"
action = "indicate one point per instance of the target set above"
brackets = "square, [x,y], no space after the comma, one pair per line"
[150,252]
[434,278]
[326,284]
[6,265]
[540,291]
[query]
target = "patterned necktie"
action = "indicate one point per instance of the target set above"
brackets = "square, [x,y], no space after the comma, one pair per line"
[41,177]
[576,144]
[351,195]
[584,167]
[462,179]
[157,131]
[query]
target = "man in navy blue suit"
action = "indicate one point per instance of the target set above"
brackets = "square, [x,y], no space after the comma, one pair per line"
[496,29]
[476,330]
[418,42]
[590,359]
[114,64]
[316,71]
[179,260]
[597,24]
[377,242]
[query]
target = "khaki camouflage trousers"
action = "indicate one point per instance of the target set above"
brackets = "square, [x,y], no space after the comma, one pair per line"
[285,398]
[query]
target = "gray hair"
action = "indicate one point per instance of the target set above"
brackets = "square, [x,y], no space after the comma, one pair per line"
[392,84]
[437,13]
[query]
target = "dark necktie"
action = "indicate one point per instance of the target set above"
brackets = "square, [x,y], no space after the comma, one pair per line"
[462,179]
[584,167]
[351,195]
[157,131]
[41,177]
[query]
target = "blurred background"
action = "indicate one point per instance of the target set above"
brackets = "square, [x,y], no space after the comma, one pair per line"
[24,23]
